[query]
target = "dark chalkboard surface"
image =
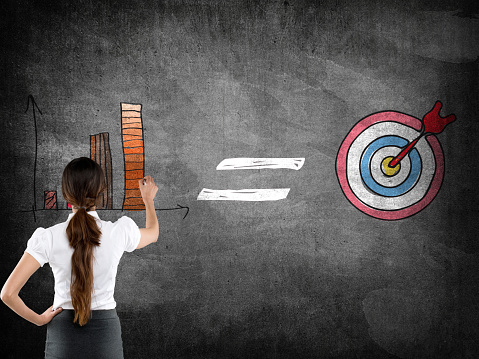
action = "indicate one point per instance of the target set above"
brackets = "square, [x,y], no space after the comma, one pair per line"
[171,89]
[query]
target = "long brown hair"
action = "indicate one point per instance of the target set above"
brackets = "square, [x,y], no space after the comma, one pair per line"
[82,181]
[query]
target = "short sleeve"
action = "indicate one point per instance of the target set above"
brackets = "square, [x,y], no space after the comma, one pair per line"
[129,232]
[39,246]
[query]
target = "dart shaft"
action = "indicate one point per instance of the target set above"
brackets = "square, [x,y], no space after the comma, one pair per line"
[403,153]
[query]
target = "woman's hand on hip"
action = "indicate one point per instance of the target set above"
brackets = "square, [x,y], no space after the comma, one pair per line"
[48,315]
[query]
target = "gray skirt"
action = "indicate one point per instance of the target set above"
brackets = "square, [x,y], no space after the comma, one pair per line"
[99,338]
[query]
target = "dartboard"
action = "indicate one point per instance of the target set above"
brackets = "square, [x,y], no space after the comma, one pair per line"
[374,187]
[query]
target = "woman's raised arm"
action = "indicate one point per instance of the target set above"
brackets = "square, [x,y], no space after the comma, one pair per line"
[150,233]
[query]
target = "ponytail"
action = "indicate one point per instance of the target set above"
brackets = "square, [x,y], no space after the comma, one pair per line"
[83,234]
[83,180]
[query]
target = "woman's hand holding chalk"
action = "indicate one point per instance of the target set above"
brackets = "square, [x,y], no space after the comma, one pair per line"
[148,188]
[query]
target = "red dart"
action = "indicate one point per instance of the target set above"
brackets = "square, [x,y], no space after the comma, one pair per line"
[432,123]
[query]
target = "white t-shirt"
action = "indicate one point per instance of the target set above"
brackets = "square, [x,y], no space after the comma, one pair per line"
[51,245]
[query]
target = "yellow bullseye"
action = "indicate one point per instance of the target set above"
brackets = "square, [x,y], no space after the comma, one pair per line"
[390,171]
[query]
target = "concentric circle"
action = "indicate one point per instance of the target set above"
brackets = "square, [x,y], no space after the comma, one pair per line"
[367,167]
[399,193]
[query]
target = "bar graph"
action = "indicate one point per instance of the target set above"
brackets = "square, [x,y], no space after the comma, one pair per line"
[133,155]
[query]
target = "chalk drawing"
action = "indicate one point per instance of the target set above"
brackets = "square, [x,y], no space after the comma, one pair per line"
[260,163]
[133,154]
[100,153]
[246,163]
[243,194]
[391,165]
[134,161]
[34,106]
[50,200]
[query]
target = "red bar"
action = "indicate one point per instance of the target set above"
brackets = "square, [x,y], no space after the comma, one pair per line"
[50,201]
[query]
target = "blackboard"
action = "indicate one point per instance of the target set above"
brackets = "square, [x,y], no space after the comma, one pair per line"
[308,275]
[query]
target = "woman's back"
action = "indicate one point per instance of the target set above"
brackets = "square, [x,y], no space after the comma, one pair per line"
[52,245]
[84,253]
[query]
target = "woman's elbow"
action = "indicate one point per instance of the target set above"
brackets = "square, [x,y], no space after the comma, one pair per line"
[156,233]
[153,236]
[5,295]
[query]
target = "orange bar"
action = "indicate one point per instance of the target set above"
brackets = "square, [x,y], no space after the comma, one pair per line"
[133,143]
[133,132]
[137,174]
[127,137]
[130,107]
[133,166]
[130,120]
[130,114]
[132,125]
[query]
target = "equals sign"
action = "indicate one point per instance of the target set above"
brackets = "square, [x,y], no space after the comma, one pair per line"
[265,194]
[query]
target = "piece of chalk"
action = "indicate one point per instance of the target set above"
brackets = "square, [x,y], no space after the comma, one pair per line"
[144,182]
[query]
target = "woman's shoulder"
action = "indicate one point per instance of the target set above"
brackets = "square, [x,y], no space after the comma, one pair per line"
[56,228]
[122,222]
[48,234]
[125,231]
[48,231]
[41,232]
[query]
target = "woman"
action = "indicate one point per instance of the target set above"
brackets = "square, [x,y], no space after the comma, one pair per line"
[83,253]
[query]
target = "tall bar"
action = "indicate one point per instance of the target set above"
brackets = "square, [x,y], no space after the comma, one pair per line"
[133,154]
[100,153]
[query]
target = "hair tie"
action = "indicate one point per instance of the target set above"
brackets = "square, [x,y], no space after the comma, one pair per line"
[85,208]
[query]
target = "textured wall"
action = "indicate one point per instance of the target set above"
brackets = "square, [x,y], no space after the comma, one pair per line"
[308,276]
